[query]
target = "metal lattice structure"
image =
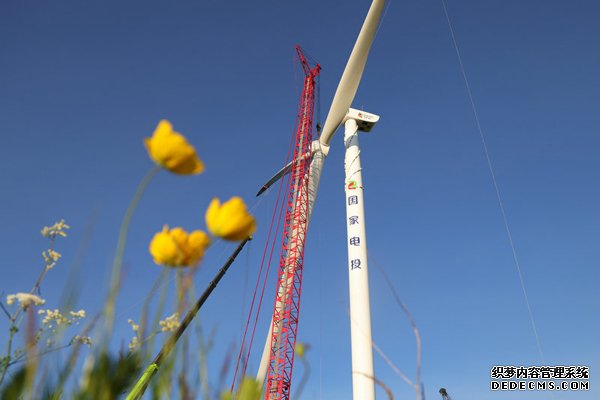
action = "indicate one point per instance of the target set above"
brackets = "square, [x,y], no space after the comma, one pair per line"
[291,261]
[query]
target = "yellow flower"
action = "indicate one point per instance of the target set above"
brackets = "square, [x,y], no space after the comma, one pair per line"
[171,150]
[177,248]
[231,220]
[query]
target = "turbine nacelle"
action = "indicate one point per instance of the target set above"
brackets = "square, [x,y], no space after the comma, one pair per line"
[365,121]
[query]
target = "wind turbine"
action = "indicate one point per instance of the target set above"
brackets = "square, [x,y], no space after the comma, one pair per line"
[340,113]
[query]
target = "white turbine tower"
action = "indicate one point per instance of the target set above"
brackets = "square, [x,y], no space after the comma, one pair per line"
[340,113]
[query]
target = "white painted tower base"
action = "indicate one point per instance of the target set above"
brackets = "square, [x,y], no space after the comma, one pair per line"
[363,384]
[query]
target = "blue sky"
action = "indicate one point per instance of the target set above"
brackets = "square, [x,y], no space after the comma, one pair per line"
[81,84]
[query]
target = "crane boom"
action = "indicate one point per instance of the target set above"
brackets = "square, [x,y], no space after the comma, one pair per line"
[286,310]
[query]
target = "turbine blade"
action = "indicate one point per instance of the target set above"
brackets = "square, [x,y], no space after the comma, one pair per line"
[350,80]
[281,173]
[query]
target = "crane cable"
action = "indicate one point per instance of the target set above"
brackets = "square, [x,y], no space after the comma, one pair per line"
[495,183]
[270,241]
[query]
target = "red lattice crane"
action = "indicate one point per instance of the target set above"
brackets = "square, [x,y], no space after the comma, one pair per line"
[291,261]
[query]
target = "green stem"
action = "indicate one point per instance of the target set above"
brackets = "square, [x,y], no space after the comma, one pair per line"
[109,308]
[161,279]
[43,274]
[8,351]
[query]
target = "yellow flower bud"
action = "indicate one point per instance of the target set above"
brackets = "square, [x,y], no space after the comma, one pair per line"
[231,220]
[171,150]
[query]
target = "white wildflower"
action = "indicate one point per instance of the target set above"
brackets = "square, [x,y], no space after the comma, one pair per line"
[51,257]
[134,344]
[77,314]
[54,317]
[135,340]
[58,229]
[82,340]
[25,299]
[134,326]
[170,324]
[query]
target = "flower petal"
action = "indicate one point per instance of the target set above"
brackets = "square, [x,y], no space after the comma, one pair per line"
[197,243]
[164,249]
